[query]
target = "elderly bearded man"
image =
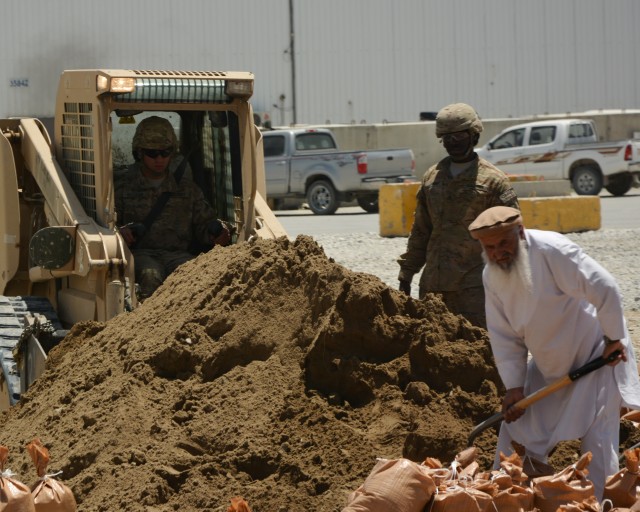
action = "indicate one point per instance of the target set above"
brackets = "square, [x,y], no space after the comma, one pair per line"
[546,298]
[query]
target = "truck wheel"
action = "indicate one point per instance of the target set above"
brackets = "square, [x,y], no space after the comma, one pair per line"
[322,198]
[587,181]
[619,185]
[369,203]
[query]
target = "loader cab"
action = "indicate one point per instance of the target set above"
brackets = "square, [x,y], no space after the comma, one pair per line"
[208,141]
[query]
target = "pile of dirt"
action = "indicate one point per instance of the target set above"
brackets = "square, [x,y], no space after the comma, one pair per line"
[263,370]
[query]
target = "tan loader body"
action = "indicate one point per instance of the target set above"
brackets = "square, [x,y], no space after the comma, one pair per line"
[58,236]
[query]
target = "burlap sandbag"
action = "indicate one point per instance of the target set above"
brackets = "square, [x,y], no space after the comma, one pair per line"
[455,497]
[400,485]
[512,495]
[591,504]
[14,495]
[571,484]
[622,487]
[530,465]
[49,494]
[238,504]
[514,499]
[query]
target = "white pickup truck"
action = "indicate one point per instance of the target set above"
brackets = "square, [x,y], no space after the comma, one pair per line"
[307,164]
[566,149]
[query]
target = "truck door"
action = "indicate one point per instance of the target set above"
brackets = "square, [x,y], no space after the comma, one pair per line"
[506,151]
[541,153]
[276,166]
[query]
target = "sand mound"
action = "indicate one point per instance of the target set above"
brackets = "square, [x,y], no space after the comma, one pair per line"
[264,370]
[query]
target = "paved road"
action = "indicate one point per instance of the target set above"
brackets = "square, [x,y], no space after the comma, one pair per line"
[617,213]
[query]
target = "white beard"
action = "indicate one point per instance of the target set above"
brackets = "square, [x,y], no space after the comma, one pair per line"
[516,276]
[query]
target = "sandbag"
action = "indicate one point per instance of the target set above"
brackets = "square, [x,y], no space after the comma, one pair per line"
[238,504]
[514,499]
[530,465]
[49,494]
[14,495]
[459,498]
[622,487]
[571,484]
[591,504]
[400,485]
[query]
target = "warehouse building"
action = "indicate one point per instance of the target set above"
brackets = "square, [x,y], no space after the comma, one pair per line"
[341,61]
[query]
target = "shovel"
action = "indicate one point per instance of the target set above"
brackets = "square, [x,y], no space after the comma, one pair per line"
[599,362]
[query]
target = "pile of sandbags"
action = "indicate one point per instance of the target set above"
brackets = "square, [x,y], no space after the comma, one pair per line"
[622,489]
[405,486]
[45,495]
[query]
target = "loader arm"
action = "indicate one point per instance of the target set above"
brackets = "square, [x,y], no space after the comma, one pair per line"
[90,281]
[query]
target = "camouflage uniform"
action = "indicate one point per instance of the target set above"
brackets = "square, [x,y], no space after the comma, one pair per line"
[184,219]
[440,240]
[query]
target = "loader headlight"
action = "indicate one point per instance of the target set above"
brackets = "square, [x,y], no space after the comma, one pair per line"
[115,84]
[239,88]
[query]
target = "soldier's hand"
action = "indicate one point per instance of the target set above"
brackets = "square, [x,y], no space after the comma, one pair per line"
[127,235]
[222,239]
[405,286]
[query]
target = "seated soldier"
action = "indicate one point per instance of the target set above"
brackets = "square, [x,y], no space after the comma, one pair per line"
[161,215]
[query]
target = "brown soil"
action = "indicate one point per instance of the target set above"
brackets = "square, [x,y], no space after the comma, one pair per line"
[262,370]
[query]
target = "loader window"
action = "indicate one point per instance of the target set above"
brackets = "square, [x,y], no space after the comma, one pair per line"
[210,143]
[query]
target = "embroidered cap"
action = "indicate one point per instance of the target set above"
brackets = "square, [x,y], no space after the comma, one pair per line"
[495,220]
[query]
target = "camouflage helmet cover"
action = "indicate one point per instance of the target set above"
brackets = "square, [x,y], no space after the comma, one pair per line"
[457,117]
[154,133]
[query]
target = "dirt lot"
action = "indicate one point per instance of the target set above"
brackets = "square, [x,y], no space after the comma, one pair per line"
[262,370]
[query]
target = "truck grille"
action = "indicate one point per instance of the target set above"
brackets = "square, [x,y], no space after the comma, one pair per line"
[176,90]
[78,153]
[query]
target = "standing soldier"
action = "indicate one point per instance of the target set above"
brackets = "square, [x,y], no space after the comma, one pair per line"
[453,193]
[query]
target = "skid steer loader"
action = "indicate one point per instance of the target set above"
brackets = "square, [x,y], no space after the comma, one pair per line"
[62,259]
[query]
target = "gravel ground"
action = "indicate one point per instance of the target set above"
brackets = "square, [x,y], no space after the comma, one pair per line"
[615,249]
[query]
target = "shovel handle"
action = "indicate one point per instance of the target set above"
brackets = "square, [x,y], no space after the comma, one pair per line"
[592,365]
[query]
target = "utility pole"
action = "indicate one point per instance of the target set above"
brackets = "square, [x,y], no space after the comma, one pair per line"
[292,55]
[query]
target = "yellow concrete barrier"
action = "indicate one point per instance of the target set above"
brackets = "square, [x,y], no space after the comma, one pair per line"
[397,202]
[564,214]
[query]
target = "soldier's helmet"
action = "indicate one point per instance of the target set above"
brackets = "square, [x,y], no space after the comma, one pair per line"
[154,133]
[457,117]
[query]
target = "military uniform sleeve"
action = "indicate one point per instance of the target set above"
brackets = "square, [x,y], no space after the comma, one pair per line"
[122,184]
[506,195]
[416,255]
[201,213]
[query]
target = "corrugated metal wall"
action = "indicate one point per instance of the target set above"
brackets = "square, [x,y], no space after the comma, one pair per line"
[356,61]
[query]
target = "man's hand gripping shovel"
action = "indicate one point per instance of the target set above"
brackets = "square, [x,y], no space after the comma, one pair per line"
[545,391]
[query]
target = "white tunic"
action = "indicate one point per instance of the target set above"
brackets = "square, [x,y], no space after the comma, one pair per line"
[574,302]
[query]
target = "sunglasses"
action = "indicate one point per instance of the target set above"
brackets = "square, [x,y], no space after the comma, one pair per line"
[155,153]
[455,137]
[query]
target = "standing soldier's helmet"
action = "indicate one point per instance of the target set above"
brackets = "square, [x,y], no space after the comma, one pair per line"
[154,133]
[457,117]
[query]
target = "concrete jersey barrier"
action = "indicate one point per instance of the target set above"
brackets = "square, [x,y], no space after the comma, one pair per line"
[561,213]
